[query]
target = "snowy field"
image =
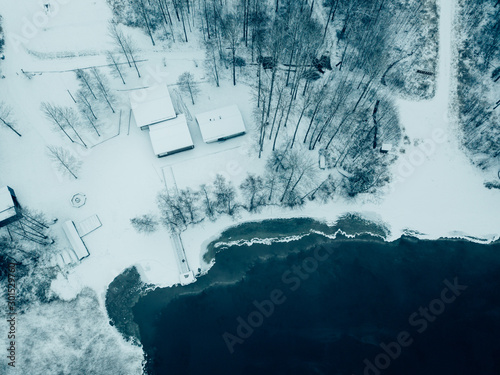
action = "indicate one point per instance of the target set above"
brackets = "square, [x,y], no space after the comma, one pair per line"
[435,190]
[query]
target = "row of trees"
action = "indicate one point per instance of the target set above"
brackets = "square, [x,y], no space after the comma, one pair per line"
[478,76]
[125,49]
[290,180]
[92,95]
[2,40]
[160,19]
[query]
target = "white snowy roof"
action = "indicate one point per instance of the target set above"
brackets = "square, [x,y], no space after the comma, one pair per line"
[7,208]
[220,123]
[151,105]
[386,147]
[74,239]
[171,135]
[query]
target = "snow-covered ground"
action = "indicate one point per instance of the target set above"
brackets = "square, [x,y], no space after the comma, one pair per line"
[436,191]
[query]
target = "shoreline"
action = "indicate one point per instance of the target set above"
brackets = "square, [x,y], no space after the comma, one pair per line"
[228,269]
[227,239]
[333,229]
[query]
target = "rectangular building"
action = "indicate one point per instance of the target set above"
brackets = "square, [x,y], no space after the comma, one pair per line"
[170,137]
[221,124]
[151,106]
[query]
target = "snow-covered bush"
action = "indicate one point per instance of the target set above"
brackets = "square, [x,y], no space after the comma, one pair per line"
[145,223]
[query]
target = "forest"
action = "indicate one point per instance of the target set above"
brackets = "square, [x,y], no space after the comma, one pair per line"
[324,75]
[478,93]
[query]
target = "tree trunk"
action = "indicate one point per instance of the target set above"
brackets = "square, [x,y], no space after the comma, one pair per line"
[234,64]
[10,127]
[146,20]
[297,126]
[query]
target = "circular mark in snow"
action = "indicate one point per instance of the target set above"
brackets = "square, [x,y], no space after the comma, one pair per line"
[78,200]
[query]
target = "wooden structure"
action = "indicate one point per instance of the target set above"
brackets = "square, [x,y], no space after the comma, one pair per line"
[10,210]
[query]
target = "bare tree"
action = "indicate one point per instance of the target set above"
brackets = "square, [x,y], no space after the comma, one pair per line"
[86,81]
[211,60]
[6,117]
[70,118]
[102,87]
[114,62]
[179,208]
[163,6]
[92,123]
[173,214]
[230,28]
[189,201]
[132,52]
[120,40]
[180,9]
[85,103]
[225,195]
[144,13]
[187,84]
[66,162]
[253,190]
[53,113]
[207,202]
[292,173]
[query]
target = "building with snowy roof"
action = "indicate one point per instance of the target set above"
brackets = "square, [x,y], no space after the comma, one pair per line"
[10,211]
[170,137]
[221,124]
[151,106]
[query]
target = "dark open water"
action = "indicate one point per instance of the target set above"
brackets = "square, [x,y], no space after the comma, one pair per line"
[319,306]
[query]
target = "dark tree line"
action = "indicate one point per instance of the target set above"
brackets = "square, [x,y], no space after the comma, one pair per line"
[160,19]
[478,72]
[289,180]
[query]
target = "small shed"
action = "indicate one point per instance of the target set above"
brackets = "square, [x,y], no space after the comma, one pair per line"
[151,106]
[386,147]
[221,124]
[10,211]
[170,137]
[322,161]
[75,240]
